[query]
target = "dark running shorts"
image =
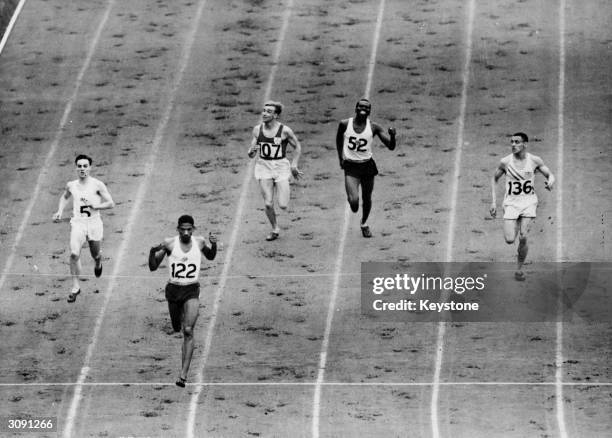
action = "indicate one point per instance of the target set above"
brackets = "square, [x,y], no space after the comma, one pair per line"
[367,169]
[180,294]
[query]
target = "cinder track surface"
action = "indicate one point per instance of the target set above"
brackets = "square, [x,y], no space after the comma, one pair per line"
[163,96]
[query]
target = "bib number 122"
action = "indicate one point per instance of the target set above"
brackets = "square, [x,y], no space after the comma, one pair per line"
[181,270]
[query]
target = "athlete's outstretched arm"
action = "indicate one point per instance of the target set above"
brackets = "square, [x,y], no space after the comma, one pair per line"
[156,255]
[297,151]
[253,148]
[387,141]
[501,170]
[544,170]
[209,252]
[340,141]
[62,204]
[107,199]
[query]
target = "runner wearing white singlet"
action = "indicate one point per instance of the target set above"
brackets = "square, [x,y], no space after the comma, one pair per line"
[520,199]
[354,140]
[272,169]
[183,288]
[89,196]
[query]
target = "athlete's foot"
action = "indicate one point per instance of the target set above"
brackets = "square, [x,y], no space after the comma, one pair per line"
[519,276]
[272,236]
[73,295]
[98,269]
[365,231]
[181,382]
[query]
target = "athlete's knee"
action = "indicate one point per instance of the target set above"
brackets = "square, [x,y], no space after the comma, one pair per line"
[353,202]
[74,257]
[509,239]
[188,331]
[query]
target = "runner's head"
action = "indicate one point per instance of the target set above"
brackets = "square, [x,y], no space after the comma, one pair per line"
[363,108]
[271,110]
[83,165]
[185,228]
[518,142]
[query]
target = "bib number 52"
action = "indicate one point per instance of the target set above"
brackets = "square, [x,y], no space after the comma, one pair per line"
[518,187]
[358,144]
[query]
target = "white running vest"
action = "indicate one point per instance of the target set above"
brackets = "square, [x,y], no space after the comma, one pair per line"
[82,197]
[184,267]
[520,181]
[357,147]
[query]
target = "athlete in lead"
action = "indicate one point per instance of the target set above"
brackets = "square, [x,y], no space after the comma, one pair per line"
[183,289]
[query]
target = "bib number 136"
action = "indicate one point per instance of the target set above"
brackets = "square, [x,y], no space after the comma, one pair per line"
[181,270]
[518,187]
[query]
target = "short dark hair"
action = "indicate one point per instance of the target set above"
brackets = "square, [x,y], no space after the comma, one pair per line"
[83,157]
[364,99]
[278,107]
[185,219]
[522,135]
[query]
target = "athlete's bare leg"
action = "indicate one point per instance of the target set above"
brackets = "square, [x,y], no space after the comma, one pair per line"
[367,187]
[75,271]
[94,249]
[267,191]
[283,192]
[523,226]
[352,191]
[190,316]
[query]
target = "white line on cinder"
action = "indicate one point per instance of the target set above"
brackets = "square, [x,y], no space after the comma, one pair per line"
[344,231]
[244,191]
[263,384]
[435,393]
[11,24]
[560,407]
[51,154]
[148,167]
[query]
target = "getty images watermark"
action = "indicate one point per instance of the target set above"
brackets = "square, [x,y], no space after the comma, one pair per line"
[486,292]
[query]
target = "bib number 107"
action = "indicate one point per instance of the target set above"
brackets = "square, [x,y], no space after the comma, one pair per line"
[518,187]
[181,270]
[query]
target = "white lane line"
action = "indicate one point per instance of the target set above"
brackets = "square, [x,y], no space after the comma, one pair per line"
[11,24]
[136,207]
[560,402]
[244,192]
[51,154]
[316,409]
[435,393]
[330,384]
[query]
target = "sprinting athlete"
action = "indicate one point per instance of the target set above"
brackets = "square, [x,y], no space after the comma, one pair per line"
[272,168]
[520,199]
[354,141]
[89,196]
[183,289]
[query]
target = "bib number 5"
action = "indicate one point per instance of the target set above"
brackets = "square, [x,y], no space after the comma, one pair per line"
[517,188]
[85,210]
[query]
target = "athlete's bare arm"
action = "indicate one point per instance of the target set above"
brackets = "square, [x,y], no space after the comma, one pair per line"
[499,172]
[62,203]
[340,140]
[387,141]
[254,147]
[107,199]
[297,148]
[209,251]
[158,252]
[544,170]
